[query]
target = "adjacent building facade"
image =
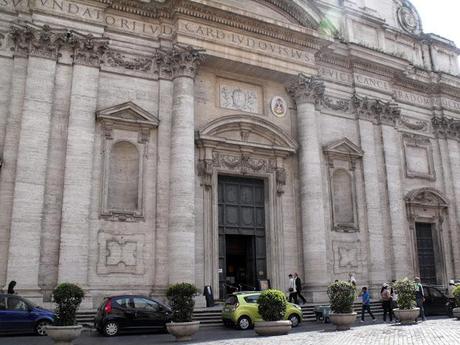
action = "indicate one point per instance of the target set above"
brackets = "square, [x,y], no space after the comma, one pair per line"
[222,142]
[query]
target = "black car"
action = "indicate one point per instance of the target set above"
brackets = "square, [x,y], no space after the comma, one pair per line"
[130,312]
[437,302]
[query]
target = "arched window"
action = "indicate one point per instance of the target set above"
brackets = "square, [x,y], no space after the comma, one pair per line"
[123,182]
[342,197]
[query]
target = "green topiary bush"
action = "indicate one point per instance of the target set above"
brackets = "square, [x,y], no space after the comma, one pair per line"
[456,294]
[68,297]
[272,305]
[180,298]
[406,290]
[341,295]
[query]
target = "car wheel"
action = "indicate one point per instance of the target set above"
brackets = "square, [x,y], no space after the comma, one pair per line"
[110,329]
[244,323]
[40,327]
[295,319]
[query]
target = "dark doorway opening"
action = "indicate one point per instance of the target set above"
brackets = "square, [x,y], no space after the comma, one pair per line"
[242,250]
[425,252]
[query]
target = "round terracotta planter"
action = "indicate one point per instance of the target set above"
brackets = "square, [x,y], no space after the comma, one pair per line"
[63,335]
[183,331]
[342,321]
[407,316]
[268,328]
[456,313]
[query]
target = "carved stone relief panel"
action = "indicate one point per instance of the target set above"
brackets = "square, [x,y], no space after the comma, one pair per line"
[120,253]
[346,256]
[418,156]
[240,96]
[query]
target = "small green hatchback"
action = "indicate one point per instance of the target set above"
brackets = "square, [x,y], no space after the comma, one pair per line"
[241,310]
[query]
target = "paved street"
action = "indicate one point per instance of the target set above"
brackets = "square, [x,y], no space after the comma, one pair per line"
[436,331]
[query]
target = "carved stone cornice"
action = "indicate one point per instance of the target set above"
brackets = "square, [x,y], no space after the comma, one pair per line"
[185,61]
[445,127]
[375,110]
[307,89]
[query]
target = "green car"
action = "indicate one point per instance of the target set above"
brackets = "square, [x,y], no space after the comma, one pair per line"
[241,310]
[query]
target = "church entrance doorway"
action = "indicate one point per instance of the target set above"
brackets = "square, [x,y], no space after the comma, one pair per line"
[242,247]
[425,251]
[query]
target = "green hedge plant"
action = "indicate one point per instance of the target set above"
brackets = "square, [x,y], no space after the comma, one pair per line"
[456,294]
[406,290]
[180,298]
[272,305]
[341,294]
[67,297]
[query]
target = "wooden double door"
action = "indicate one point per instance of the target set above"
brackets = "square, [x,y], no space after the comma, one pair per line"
[426,253]
[242,242]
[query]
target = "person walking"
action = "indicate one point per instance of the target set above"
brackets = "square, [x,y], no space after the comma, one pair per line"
[394,300]
[366,304]
[386,302]
[420,297]
[11,286]
[298,287]
[292,290]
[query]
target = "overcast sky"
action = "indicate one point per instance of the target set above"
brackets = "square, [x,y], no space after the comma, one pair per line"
[440,17]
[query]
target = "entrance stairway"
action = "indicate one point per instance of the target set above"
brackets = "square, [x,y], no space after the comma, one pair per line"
[209,317]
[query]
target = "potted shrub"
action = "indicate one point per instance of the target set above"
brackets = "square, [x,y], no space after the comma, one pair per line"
[407,311]
[456,310]
[341,296]
[272,308]
[65,329]
[180,298]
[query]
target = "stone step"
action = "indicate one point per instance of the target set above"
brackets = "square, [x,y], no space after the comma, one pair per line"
[212,316]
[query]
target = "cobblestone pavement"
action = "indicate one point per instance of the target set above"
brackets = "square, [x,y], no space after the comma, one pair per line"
[436,331]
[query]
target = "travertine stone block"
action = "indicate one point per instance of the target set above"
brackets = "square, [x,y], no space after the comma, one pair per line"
[29,191]
[73,258]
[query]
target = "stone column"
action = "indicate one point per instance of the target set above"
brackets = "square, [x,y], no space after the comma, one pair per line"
[181,234]
[29,188]
[402,247]
[375,220]
[307,93]
[453,149]
[9,158]
[165,96]
[73,257]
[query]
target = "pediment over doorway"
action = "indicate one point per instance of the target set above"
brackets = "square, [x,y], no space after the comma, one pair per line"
[128,113]
[244,131]
[343,147]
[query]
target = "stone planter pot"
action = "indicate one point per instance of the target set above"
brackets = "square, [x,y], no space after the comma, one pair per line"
[183,331]
[268,328]
[407,316]
[342,321]
[456,313]
[63,335]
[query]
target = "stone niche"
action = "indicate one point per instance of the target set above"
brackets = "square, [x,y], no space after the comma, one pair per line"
[343,157]
[418,157]
[126,134]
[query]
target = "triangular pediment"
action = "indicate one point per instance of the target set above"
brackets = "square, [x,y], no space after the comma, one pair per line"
[128,113]
[345,147]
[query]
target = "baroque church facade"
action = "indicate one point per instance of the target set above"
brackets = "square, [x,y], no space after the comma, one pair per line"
[224,142]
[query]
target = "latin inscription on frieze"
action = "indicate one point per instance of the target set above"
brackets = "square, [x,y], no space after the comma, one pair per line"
[372,83]
[244,42]
[336,75]
[97,15]
[413,98]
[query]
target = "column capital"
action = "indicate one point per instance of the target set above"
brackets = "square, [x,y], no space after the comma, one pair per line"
[445,127]
[87,49]
[184,61]
[376,110]
[305,89]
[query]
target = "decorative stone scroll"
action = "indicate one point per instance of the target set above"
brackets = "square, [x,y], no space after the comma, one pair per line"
[307,89]
[376,110]
[135,63]
[445,127]
[47,43]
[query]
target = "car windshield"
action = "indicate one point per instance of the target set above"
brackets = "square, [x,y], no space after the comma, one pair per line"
[30,303]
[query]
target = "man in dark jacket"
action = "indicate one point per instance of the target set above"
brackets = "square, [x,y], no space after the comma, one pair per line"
[298,287]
